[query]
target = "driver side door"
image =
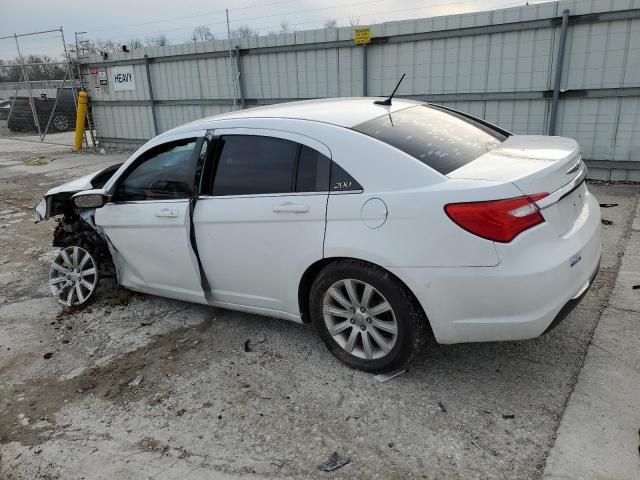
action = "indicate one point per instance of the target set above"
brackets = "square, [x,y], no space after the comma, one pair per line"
[148,220]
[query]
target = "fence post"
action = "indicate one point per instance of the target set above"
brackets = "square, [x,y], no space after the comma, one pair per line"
[364,70]
[240,77]
[26,79]
[559,64]
[151,99]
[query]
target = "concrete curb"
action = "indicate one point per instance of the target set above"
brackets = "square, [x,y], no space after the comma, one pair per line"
[598,437]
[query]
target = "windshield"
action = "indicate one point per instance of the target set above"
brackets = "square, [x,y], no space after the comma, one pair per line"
[442,139]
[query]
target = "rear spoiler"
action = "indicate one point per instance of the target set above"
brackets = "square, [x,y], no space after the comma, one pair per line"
[486,124]
[562,192]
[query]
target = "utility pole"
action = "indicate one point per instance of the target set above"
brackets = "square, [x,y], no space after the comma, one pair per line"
[78,58]
[233,69]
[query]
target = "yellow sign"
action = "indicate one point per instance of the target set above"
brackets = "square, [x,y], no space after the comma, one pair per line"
[362,35]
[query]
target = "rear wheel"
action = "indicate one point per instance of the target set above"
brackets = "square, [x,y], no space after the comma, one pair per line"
[61,123]
[366,317]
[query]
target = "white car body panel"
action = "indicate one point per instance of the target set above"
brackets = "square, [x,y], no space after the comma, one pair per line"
[470,288]
[255,256]
[241,237]
[153,252]
[517,299]
[531,162]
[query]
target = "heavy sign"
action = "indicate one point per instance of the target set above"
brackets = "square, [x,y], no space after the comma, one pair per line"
[362,35]
[123,79]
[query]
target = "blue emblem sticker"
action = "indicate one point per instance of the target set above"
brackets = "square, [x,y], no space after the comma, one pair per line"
[575,259]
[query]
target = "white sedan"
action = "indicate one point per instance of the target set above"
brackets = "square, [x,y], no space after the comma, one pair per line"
[380,224]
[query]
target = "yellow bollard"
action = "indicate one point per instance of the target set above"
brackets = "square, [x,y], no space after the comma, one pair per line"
[81,115]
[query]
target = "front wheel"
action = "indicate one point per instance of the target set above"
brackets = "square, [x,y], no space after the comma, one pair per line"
[73,276]
[366,317]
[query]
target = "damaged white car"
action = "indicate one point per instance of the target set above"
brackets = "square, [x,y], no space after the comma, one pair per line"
[379,222]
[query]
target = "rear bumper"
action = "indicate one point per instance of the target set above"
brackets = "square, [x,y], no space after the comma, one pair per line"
[540,274]
[573,303]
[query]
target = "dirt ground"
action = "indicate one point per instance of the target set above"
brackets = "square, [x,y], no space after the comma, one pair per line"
[208,408]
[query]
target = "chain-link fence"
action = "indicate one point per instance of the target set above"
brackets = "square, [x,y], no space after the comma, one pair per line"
[39,88]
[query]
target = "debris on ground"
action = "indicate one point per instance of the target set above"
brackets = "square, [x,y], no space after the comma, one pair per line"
[136,381]
[508,416]
[442,407]
[334,462]
[608,205]
[41,160]
[383,377]
[48,355]
[606,222]
[247,346]
[181,412]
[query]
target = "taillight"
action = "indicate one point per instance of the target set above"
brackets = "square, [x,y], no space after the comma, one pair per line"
[497,220]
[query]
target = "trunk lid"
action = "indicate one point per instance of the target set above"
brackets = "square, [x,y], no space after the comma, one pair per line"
[537,164]
[533,163]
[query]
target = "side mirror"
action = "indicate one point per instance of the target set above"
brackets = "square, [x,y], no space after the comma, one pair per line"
[89,199]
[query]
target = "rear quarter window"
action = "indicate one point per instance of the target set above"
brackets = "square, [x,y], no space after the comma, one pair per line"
[442,139]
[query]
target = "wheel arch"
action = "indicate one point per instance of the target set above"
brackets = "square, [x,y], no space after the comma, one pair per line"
[311,273]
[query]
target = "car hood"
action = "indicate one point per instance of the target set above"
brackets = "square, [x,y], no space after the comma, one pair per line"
[54,201]
[74,186]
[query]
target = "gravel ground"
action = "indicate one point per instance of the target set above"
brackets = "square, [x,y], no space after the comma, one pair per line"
[206,408]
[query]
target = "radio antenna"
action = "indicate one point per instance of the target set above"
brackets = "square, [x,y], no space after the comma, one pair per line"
[387,101]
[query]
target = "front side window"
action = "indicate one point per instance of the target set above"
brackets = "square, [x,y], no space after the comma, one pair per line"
[442,139]
[164,172]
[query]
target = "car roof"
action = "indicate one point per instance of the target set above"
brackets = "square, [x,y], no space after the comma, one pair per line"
[344,112]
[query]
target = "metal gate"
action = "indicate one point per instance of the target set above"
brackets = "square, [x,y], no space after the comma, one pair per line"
[39,85]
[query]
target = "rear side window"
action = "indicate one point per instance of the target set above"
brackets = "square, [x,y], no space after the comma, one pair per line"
[313,171]
[441,139]
[252,165]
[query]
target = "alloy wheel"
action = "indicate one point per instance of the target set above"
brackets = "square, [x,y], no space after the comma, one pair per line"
[73,276]
[360,319]
[61,123]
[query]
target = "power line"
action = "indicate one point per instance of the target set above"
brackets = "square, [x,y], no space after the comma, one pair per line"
[247,19]
[199,15]
[386,12]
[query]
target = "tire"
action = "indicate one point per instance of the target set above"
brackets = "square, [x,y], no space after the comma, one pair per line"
[73,276]
[387,350]
[61,123]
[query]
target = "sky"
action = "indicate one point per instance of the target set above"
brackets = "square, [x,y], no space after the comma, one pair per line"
[121,20]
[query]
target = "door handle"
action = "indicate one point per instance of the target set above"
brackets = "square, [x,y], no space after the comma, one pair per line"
[291,207]
[167,213]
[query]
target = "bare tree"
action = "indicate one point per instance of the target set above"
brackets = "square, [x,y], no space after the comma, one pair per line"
[134,43]
[42,67]
[107,46]
[157,41]
[202,34]
[284,26]
[331,23]
[243,31]
[354,21]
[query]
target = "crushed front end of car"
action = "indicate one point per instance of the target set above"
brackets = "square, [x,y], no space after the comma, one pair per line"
[85,254]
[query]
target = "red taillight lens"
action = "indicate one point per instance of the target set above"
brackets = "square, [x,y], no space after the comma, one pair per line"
[497,220]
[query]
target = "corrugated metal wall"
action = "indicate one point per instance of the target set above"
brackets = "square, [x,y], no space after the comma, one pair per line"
[498,65]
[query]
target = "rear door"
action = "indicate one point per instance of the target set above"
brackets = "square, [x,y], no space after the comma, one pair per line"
[148,221]
[262,221]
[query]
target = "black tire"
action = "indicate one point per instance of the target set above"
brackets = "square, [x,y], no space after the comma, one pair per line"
[61,123]
[411,322]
